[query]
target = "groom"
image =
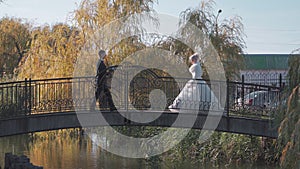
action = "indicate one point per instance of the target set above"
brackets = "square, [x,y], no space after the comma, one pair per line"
[101,81]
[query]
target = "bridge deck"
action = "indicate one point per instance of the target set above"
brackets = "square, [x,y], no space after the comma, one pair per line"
[63,120]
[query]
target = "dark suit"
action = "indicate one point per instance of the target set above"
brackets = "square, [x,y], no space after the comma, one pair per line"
[101,71]
[101,85]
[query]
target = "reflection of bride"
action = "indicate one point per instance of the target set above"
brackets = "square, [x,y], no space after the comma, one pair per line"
[196,94]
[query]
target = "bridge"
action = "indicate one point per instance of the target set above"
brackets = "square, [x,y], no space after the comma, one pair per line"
[50,104]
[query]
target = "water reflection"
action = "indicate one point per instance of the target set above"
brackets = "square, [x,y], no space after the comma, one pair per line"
[63,150]
[70,149]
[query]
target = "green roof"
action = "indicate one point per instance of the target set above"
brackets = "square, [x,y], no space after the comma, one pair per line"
[266,61]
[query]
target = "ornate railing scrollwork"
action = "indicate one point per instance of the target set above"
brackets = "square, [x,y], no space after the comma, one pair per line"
[23,98]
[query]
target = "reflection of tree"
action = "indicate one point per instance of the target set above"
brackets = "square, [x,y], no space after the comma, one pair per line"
[68,149]
[53,149]
[14,144]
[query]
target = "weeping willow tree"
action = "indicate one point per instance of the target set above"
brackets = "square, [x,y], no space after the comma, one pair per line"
[53,52]
[93,15]
[15,43]
[289,130]
[226,36]
[54,49]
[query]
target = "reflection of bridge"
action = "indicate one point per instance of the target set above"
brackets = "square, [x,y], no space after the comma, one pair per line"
[49,104]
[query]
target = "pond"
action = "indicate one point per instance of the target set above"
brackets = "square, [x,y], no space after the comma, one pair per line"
[58,150]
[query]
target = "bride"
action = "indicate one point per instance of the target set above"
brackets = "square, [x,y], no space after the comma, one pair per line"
[196,94]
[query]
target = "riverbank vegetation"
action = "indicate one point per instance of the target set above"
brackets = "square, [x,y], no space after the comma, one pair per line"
[289,129]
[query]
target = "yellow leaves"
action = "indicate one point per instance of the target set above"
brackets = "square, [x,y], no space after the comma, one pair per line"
[283,123]
[289,130]
[293,99]
[284,152]
[15,41]
[53,52]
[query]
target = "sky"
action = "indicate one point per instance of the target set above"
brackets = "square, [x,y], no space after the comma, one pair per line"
[271,26]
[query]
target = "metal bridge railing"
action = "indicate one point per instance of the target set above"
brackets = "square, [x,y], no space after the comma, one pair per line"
[27,97]
[253,100]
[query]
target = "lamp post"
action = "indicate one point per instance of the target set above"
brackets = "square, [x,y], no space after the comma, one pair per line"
[219,11]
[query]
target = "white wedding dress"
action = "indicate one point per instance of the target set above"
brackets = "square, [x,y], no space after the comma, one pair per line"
[196,94]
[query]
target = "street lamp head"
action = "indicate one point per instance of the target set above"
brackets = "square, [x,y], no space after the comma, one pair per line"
[220,10]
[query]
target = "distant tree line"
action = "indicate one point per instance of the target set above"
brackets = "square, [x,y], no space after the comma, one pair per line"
[51,51]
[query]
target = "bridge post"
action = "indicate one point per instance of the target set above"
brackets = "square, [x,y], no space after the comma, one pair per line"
[280,87]
[243,91]
[227,97]
[25,97]
[29,97]
[227,105]
[280,81]
[126,93]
